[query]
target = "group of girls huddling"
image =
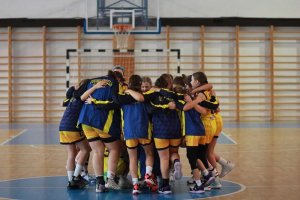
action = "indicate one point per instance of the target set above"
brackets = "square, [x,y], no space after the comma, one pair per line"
[104,114]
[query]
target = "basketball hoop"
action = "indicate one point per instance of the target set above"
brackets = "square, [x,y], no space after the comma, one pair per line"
[122,32]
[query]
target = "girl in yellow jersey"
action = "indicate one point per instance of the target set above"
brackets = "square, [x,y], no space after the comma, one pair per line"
[213,158]
[198,79]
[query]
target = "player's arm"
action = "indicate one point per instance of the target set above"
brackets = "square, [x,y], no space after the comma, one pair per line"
[201,110]
[192,103]
[136,95]
[207,86]
[169,94]
[107,105]
[212,104]
[87,93]
[123,99]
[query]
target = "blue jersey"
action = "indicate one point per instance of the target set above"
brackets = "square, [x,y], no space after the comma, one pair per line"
[192,123]
[166,122]
[135,121]
[70,117]
[74,105]
[109,121]
[190,119]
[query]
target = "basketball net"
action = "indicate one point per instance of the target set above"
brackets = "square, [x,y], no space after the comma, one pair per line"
[122,33]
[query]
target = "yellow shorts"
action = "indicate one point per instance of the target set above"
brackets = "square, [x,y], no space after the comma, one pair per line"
[219,123]
[133,143]
[194,141]
[166,143]
[70,137]
[93,134]
[210,126]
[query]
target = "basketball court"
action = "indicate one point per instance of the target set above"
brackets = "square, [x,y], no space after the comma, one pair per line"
[264,154]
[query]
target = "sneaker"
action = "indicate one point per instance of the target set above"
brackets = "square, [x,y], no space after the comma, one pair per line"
[71,185]
[76,183]
[191,181]
[207,188]
[101,188]
[216,184]
[226,169]
[197,189]
[154,188]
[165,190]
[111,184]
[149,179]
[177,171]
[143,184]
[151,182]
[88,178]
[124,183]
[86,182]
[208,179]
[136,189]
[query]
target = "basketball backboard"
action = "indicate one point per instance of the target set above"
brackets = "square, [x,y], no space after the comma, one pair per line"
[141,15]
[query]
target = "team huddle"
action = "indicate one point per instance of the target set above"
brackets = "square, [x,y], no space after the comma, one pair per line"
[139,128]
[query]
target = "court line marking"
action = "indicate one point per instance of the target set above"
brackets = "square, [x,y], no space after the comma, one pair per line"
[243,187]
[11,138]
[35,177]
[229,138]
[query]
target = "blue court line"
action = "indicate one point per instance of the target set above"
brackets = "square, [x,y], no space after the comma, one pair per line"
[36,134]
[20,133]
[223,139]
[55,188]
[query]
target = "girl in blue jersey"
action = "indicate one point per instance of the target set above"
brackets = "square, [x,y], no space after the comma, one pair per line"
[146,86]
[73,137]
[137,129]
[192,126]
[166,132]
[102,128]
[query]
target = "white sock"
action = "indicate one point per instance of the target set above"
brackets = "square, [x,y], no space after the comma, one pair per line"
[222,161]
[198,182]
[211,168]
[70,175]
[205,172]
[149,170]
[135,180]
[110,175]
[78,169]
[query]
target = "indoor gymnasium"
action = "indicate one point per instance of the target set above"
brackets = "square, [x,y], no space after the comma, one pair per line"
[149,99]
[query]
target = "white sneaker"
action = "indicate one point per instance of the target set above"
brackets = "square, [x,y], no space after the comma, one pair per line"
[216,184]
[177,171]
[226,169]
[111,184]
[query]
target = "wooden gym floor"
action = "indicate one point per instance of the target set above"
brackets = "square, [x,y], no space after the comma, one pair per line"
[266,157]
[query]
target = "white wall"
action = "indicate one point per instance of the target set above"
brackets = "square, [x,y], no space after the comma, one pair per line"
[219,63]
[168,8]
